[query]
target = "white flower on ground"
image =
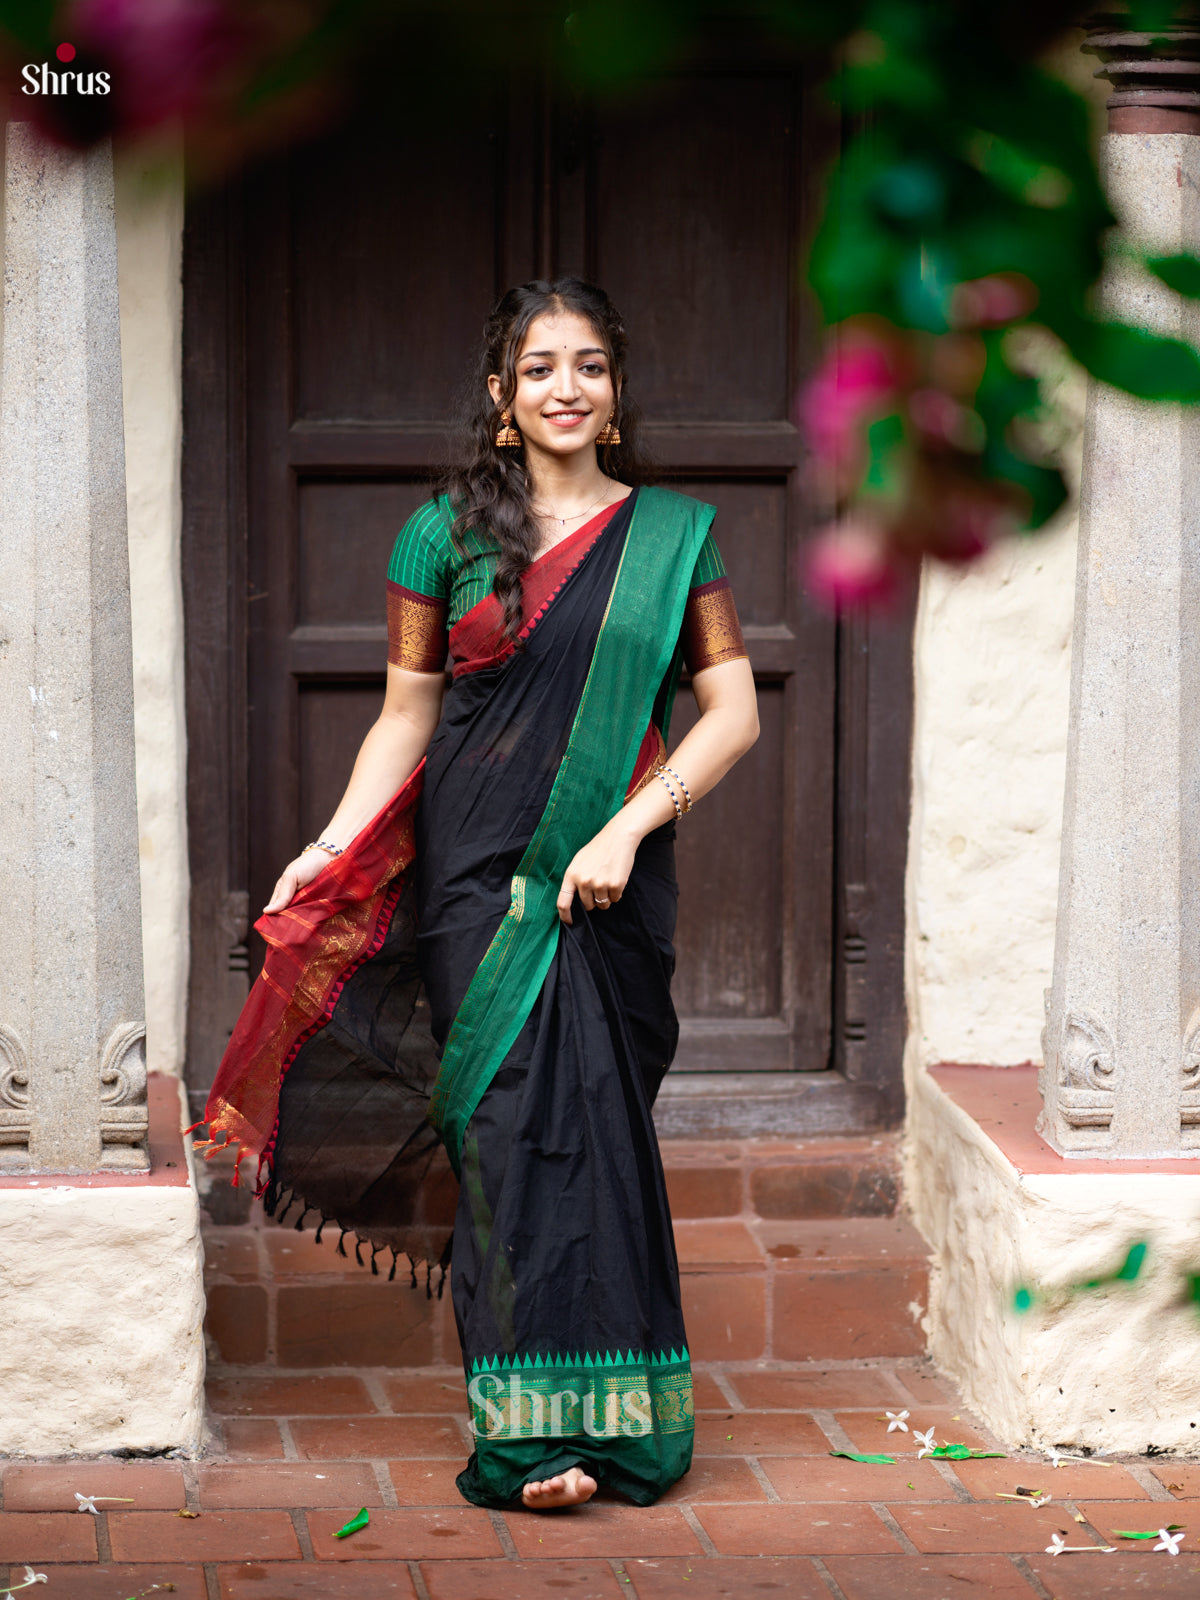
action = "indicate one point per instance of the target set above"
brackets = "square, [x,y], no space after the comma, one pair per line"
[897,1419]
[927,1442]
[30,1577]
[1169,1542]
[87,1502]
[1058,1546]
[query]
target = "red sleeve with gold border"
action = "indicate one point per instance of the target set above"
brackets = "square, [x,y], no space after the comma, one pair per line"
[417,638]
[711,631]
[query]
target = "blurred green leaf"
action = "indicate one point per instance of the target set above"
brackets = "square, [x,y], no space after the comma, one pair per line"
[1181,273]
[1133,1263]
[885,452]
[30,22]
[1143,364]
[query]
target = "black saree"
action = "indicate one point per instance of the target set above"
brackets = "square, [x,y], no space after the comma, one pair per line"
[469,1028]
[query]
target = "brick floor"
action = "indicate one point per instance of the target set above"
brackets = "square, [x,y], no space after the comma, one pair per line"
[302,1436]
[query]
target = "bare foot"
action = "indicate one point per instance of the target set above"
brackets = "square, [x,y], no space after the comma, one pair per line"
[569,1488]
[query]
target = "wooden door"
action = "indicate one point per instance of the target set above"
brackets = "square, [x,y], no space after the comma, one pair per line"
[352,298]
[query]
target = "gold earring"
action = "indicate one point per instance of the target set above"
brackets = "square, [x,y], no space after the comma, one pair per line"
[508,438]
[609,433]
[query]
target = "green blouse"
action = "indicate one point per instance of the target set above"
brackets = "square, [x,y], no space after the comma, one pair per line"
[425,560]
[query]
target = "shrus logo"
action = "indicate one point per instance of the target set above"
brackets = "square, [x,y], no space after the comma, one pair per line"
[41,80]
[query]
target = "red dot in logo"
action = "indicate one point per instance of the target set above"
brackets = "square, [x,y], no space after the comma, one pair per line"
[65,52]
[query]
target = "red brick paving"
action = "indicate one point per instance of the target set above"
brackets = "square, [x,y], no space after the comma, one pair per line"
[117,1582]
[530,1580]
[1179,1478]
[413,1534]
[324,1396]
[252,1439]
[287,1484]
[795,1530]
[330,1391]
[868,1430]
[52,1485]
[1106,1516]
[998,1526]
[47,1536]
[1120,1577]
[599,1530]
[294,1580]
[820,1478]
[928,1577]
[723,1578]
[214,1536]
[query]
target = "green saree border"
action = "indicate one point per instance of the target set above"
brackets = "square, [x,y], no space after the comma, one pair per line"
[630,662]
[614,1396]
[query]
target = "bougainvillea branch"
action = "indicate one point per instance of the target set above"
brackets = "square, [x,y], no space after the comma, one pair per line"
[964,208]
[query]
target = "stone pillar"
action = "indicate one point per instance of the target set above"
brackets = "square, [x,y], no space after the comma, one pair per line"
[1122,1037]
[72,1038]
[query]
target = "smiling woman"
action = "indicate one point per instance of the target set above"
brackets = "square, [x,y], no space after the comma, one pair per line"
[499,879]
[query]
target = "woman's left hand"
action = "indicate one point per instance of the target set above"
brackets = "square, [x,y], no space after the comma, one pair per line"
[599,872]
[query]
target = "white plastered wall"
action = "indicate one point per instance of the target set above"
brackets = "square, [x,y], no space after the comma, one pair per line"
[992,662]
[149,202]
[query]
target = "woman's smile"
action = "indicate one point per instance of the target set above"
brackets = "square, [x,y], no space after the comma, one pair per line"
[566,419]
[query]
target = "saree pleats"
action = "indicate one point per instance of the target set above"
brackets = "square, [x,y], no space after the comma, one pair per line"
[565,1283]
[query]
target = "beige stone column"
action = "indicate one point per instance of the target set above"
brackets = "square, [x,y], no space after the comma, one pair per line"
[72,1036]
[1122,1037]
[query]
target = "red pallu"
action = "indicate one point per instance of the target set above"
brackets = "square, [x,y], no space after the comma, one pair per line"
[329,929]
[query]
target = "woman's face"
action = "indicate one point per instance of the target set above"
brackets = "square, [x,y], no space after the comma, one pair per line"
[565,389]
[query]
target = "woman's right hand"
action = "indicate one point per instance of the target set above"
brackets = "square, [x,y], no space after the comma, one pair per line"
[294,876]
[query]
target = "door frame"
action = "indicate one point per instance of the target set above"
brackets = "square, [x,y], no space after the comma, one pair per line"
[862,1088]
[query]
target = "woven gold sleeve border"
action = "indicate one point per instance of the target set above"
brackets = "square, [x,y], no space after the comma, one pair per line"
[416,630]
[711,631]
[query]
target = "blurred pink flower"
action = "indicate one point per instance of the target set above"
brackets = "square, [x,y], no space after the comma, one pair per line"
[858,375]
[991,302]
[849,565]
[969,526]
[165,55]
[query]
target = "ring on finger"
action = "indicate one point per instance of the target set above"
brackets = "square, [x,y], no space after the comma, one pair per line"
[600,902]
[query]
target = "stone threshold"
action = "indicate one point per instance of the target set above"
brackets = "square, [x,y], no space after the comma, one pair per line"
[1005,1102]
[168,1159]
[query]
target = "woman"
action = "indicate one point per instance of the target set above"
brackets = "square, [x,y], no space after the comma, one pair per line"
[472,963]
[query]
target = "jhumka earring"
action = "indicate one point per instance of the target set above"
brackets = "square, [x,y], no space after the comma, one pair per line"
[508,438]
[609,433]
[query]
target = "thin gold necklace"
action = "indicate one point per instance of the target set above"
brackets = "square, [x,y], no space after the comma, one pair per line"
[575,515]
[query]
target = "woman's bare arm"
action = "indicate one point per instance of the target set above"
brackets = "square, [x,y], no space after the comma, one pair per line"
[390,753]
[727,728]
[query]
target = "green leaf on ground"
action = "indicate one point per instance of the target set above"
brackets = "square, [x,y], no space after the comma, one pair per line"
[873,1461]
[355,1523]
[1149,1533]
[963,1452]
